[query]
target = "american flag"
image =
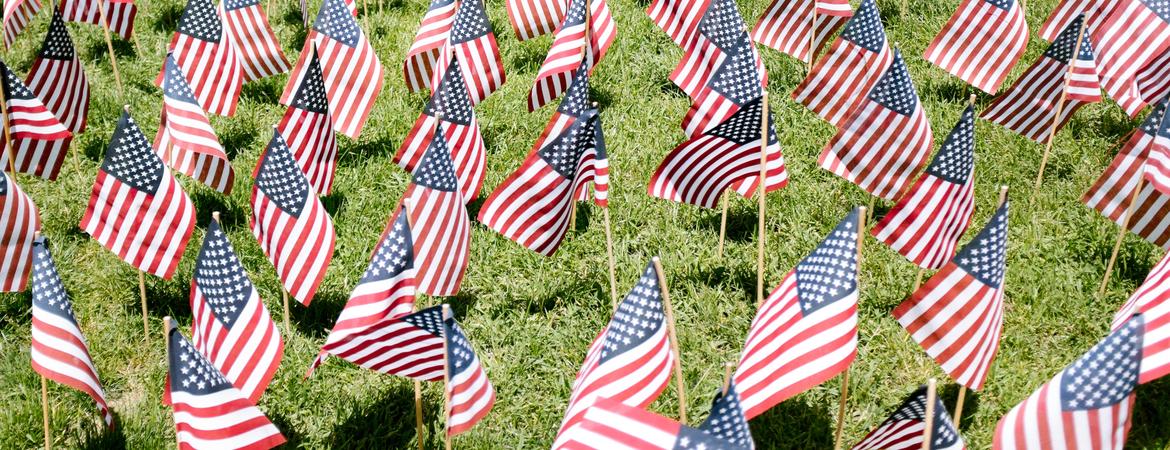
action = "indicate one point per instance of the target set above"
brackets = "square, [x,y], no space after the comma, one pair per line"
[209,62]
[886,140]
[1112,193]
[470,394]
[841,81]
[119,13]
[185,139]
[1086,405]
[1132,35]
[255,42]
[473,43]
[349,66]
[58,78]
[230,324]
[423,54]
[630,361]
[609,424]
[678,18]
[17,15]
[137,208]
[926,223]
[1029,106]
[568,52]
[410,346]
[1153,81]
[532,18]
[441,229]
[450,105]
[957,316]
[290,222]
[727,156]
[38,139]
[726,419]
[59,351]
[786,25]
[1067,11]
[981,42]
[308,129]
[19,221]
[1152,302]
[806,330]
[905,428]
[209,411]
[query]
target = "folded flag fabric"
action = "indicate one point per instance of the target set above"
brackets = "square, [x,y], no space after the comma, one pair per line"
[185,139]
[58,78]
[38,140]
[981,42]
[612,425]
[906,427]
[532,18]
[1151,301]
[726,419]
[679,19]
[571,42]
[17,15]
[410,346]
[1131,36]
[307,127]
[1067,11]
[440,226]
[19,222]
[119,13]
[207,57]
[1154,135]
[424,52]
[469,391]
[1153,80]
[255,42]
[787,25]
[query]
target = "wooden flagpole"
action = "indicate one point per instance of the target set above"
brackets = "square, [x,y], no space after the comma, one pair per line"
[142,295]
[905,7]
[7,133]
[284,299]
[722,227]
[959,405]
[1129,212]
[446,382]
[918,279]
[45,412]
[418,412]
[763,181]
[678,375]
[931,396]
[110,47]
[844,398]
[1059,110]
[366,14]
[727,368]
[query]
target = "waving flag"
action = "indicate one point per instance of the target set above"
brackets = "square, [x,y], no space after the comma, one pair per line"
[119,13]
[185,139]
[906,427]
[410,346]
[678,18]
[473,43]
[1067,11]
[1154,135]
[424,52]
[886,140]
[569,48]
[59,351]
[19,221]
[450,105]
[137,209]
[58,78]
[787,24]
[1029,106]
[469,391]
[253,38]
[440,228]
[805,331]
[208,60]
[532,18]
[290,222]
[1130,37]
[981,42]
[926,223]
[1153,81]
[308,129]
[726,420]
[38,139]
[17,15]
[841,81]
[1152,302]
[611,425]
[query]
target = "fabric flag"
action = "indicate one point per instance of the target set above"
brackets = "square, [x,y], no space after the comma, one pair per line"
[38,139]
[1112,193]
[253,38]
[230,324]
[19,221]
[288,219]
[1067,11]
[569,47]
[678,18]
[629,361]
[440,227]
[1086,405]
[59,351]
[611,425]
[805,331]
[119,13]
[726,419]
[351,70]
[58,78]
[532,18]
[423,54]
[1152,302]
[185,139]
[906,427]
[137,208]
[208,60]
[1153,81]
[410,346]
[981,42]
[209,411]
[787,24]
[957,315]
[728,156]
[841,81]
[307,127]
[1029,106]
[468,389]
[473,43]
[926,223]
[17,15]
[886,140]
[450,105]
[1130,37]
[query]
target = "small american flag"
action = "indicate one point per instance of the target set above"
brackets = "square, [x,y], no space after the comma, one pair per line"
[38,139]
[17,15]
[806,330]
[841,81]
[569,48]
[905,428]
[470,394]
[253,38]
[58,78]
[679,18]
[1154,135]
[1152,302]
[926,223]
[981,42]
[957,316]
[886,140]
[441,229]
[532,18]
[119,13]
[19,221]
[349,66]
[473,43]
[137,209]
[450,105]
[727,156]
[1029,106]
[1067,11]
[424,52]
[727,421]
[308,129]
[185,139]
[209,411]
[786,25]
[1131,36]
[290,222]
[59,351]
[1153,81]
[1095,392]
[208,60]
[609,424]
[410,346]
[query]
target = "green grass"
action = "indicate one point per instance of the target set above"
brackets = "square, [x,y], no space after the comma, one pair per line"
[531,317]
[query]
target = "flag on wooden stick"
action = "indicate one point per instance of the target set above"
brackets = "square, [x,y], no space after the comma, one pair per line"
[1130,37]
[38,140]
[307,127]
[610,424]
[1154,135]
[208,59]
[572,45]
[727,421]
[19,222]
[440,226]
[1153,80]
[185,139]
[254,40]
[17,15]
[119,13]
[787,25]
[473,43]
[906,427]
[410,345]
[470,394]
[981,42]
[58,78]
[1151,301]
[432,34]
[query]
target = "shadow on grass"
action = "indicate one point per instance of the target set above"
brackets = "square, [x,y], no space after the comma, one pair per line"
[334,203]
[386,422]
[207,200]
[1133,262]
[238,139]
[265,91]
[168,17]
[742,219]
[1151,419]
[316,320]
[16,309]
[950,394]
[163,298]
[365,149]
[123,50]
[793,425]
[95,150]
[106,438]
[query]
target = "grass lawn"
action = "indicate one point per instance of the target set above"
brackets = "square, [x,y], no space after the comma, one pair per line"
[531,317]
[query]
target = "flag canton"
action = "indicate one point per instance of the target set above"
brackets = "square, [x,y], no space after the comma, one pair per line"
[693,439]
[57,44]
[944,434]
[865,28]
[1156,123]
[1065,44]
[576,99]
[451,101]
[439,4]
[200,21]
[576,14]
[1108,373]
[281,179]
[190,371]
[564,153]
[598,135]
[220,277]
[174,84]
[436,170]
[1159,7]
[727,420]
[744,126]
[429,320]
[471,22]
[48,292]
[232,5]
[460,355]
[985,257]
[637,319]
[955,160]
[335,21]
[3,184]
[311,94]
[723,26]
[737,78]
[131,159]
[895,90]
[829,273]
[394,254]
[1001,4]
[14,89]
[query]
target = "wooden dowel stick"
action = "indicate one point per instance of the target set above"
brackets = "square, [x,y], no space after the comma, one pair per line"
[142,295]
[678,375]
[1059,111]
[613,293]
[918,279]
[446,384]
[959,405]
[727,369]
[1003,192]
[869,209]
[763,205]
[418,412]
[931,396]
[366,14]
[1129,212]
[573,216]
[8,148]
[110,47]
[45,413]
[841,405]
[722,228]
[905,7]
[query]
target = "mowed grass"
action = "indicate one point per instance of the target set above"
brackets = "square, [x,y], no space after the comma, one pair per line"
[531,317]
